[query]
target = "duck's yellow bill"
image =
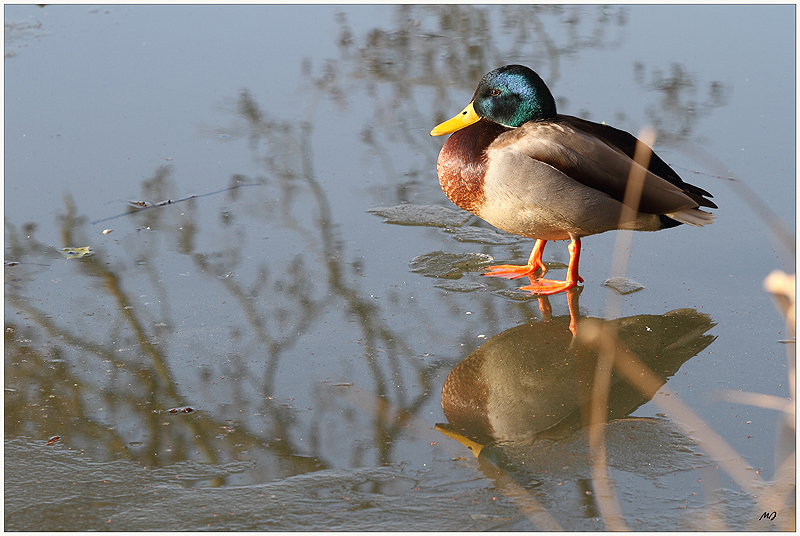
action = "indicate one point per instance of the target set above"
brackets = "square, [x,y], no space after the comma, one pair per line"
[463,119]
[474,447]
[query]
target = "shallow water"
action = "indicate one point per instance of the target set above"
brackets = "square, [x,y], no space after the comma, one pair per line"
[263,285]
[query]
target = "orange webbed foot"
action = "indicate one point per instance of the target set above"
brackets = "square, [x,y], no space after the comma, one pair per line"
[513,271]
[546,287]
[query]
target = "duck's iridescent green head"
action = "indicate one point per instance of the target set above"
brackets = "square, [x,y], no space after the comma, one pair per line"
[512,96]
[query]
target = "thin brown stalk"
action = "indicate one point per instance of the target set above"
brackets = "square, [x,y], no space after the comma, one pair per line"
[607,500]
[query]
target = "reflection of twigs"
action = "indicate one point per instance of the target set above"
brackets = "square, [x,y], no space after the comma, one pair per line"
[305,305]
[113,287]
[550,48]
[359,307]
[43,320]
[39,380]
[376,334]
[394,420]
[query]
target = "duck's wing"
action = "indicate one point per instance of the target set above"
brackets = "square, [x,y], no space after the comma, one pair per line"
[626,143]
[593,162]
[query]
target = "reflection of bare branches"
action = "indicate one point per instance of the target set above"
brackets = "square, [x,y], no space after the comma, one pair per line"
[519,19]
[305,310]
[420,50]
[152,387]
[680,106]
[375,333]
[139,385]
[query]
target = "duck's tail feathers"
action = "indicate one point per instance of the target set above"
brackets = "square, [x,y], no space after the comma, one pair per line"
[692,216]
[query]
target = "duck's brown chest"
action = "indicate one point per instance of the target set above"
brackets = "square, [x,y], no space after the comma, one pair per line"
[462,164]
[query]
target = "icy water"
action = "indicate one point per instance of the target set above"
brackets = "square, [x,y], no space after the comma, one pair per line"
[234,289]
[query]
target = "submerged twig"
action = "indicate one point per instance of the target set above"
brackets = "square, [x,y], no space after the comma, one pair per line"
[142,206]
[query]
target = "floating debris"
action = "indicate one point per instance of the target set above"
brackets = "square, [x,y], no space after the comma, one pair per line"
[623,285]
[148,204]
[54,439]
[106,231]
[76,253]
[173,201]
[431,215]
[17,263]
[186,409]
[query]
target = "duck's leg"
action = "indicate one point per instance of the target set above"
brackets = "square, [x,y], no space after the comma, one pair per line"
[544,287]
[514,271]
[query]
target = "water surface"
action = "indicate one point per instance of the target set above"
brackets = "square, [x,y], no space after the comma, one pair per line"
[250,346]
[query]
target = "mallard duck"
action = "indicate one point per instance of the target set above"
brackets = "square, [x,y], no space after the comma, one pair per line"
[513,161]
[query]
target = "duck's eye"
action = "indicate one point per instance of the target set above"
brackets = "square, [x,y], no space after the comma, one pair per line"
[494,92]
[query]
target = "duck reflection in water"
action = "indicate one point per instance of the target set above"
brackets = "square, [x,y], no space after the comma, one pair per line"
[534,381]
